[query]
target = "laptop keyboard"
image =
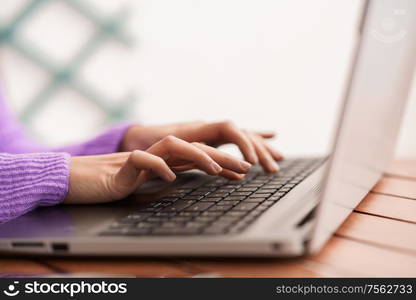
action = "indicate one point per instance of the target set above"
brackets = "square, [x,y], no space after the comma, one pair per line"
[220,206]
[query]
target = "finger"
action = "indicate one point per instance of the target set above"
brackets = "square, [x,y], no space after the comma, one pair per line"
[265,158]
[234,135]
[275,154]
[225,160]
[183,168]
[224,173]
[138,161]
[173,147]
[231,175]
[266,135]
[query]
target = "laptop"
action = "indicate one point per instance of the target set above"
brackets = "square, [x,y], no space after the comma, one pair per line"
[291,213]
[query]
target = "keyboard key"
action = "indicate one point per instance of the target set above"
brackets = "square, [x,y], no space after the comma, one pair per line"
[226,220]
[169,199]
[209,199]
[274,187]
[171,224]
[226,190]
[263,206]
[154,219]
[205,219]
[245,206]
[212,213]
[266,190]
[149,209]
[279,194]
[241,194]
[219,194]
[145,225]
[220,208]
[194,225]
[178,205]
[254,200]
[165,214]
[227,202]
[232,197]
[262,194]
[120,225]
[182,219]
[290,185]
[268,203]
[138,216]
[188,213]
[193,197]
[200,206]
[247,189]
[200,193]
[236,213]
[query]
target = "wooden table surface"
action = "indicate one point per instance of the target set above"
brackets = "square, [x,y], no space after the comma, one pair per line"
[378,239]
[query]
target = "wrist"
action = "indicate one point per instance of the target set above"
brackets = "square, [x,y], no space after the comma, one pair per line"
[130,140]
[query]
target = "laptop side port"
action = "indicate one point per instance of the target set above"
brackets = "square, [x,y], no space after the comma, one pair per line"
[307,218]
[60,247]
[28,245]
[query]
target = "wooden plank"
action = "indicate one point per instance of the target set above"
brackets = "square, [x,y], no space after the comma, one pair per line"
[16,266]
[233,267]
[397,187]
[119,267]
[380,231]
[403,168]
[339,258]
[389,206]
[347,258]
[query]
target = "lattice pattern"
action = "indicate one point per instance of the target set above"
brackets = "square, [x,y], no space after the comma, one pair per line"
[65,76]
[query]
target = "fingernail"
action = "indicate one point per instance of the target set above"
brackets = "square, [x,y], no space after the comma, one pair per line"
[245,166]
[239,177]
[170,177]
[274,166]
[216,167]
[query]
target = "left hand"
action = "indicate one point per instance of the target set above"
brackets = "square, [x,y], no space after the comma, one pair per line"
[252,145]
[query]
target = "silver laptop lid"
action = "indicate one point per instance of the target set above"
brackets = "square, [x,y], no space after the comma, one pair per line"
[370,119]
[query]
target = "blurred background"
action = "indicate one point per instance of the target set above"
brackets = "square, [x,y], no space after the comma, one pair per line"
[72,68]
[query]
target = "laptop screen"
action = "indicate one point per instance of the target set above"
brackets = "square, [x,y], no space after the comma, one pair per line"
[371,115]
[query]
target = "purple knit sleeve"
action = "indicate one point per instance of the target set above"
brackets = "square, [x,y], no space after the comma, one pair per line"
[108,142]
[31,180]
[34,175]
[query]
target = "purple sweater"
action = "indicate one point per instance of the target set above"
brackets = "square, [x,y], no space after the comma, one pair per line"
[33,175]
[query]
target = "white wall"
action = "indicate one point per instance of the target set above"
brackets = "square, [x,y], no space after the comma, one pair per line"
[266,64]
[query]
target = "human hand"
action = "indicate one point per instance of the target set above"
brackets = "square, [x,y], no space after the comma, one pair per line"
[253,146]
[111,177]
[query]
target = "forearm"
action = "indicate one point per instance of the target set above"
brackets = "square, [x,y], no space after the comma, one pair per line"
[31,180]
[108,142]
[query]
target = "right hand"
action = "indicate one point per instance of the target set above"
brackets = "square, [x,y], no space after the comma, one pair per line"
[111,177]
